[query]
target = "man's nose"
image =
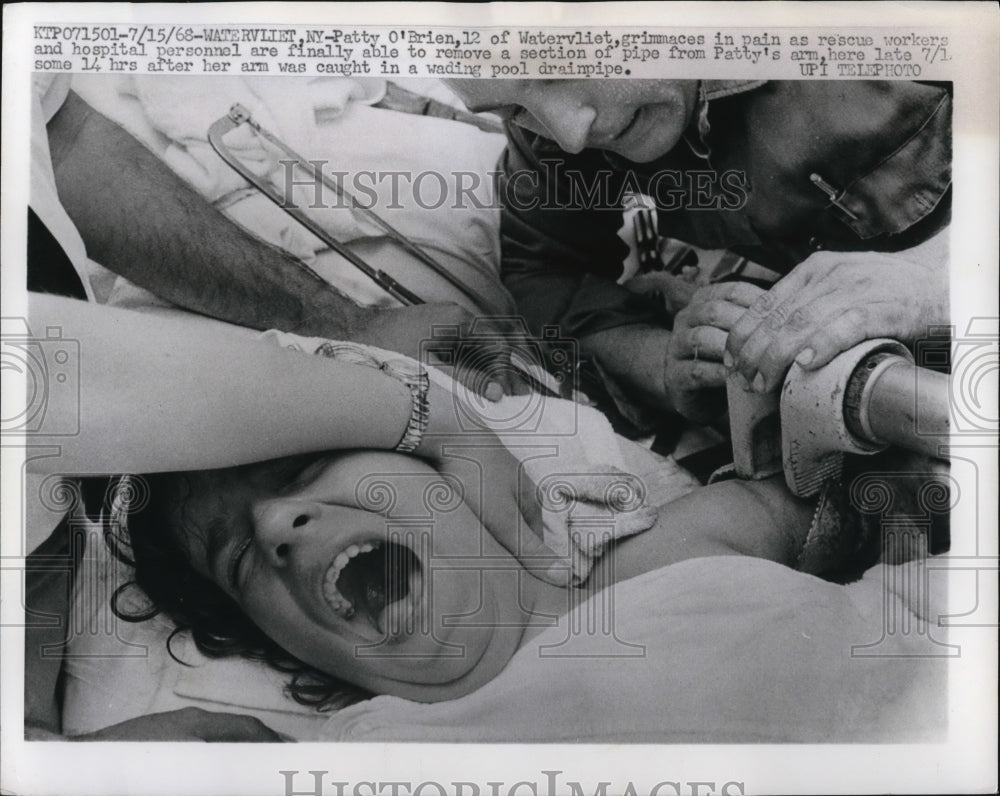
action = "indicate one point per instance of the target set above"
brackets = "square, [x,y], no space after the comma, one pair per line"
[280,525]
[567,121]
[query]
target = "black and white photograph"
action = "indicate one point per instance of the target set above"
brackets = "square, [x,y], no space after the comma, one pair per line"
[498,399]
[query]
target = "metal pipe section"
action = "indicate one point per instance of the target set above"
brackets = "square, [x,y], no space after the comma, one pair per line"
[908,406]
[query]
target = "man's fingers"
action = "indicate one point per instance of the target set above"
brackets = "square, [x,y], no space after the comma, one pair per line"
[743,294]
[827,304]
[700,343]
[747,324]
[811,335]
[698,375]
[803,332]
[785,334]
[843,331]
[794,284]
[718,313]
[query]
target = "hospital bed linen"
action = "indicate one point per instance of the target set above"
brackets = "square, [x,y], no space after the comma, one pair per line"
[724,650]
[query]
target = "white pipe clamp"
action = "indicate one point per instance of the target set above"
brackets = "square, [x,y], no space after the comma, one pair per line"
[814,434]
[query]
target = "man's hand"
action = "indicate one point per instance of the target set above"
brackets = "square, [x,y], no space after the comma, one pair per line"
[187,724]
[694,368]
[830,302]
[676,370]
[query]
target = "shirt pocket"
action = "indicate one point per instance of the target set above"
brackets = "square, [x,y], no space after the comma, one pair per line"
[904,187]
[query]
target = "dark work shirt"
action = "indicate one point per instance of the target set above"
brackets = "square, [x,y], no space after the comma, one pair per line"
[754,175]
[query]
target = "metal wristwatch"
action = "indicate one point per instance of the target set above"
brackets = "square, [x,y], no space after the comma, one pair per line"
[416,379]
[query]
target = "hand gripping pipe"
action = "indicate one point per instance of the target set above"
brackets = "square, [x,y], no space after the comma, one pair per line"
[866,399]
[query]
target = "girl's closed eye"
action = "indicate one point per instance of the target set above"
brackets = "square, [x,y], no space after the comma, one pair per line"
[235,568]
[304,477]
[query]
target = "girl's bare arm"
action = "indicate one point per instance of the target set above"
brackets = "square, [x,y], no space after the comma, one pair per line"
[751,518]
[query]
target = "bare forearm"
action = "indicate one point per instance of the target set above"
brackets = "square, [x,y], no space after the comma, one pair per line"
[142,221]
[636,357]
[751,518]
[155,394]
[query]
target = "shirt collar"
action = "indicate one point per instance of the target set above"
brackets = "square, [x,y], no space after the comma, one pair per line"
[708,90]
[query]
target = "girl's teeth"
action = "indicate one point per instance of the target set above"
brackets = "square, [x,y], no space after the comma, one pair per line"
[340,604]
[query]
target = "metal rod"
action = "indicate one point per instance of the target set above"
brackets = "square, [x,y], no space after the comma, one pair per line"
[241,115]
[382,279]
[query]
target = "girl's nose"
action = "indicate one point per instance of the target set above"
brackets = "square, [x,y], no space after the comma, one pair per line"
[280,525]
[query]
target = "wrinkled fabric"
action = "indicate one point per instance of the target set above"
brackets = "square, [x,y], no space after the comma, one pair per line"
[717,650]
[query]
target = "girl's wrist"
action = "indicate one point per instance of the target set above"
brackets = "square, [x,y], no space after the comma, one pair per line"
[442,423]
[408,374]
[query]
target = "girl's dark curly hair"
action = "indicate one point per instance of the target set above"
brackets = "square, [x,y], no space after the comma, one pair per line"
[218,626]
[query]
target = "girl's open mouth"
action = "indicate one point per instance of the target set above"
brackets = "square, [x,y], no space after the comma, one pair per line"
[376,581]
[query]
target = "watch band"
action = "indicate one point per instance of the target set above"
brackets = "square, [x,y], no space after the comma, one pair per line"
[419,383]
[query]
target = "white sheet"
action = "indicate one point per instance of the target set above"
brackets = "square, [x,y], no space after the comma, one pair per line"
[723,650]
